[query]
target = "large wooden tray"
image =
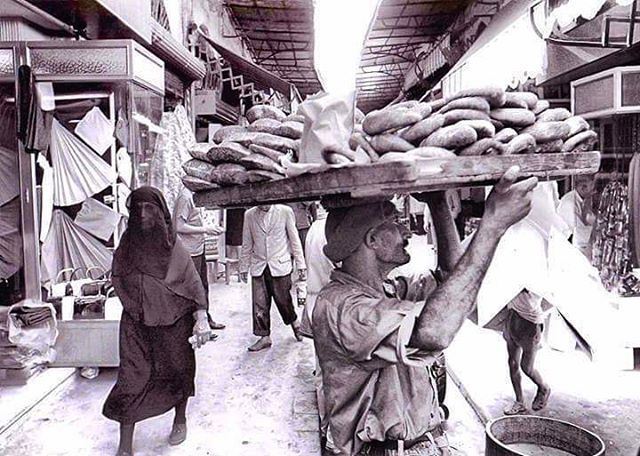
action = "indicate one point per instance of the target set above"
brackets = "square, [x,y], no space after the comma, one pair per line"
[400,177]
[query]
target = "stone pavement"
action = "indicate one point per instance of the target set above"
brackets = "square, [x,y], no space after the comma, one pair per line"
[601,399]
[246,403]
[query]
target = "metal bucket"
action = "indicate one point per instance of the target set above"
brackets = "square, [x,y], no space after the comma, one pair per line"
[527,435]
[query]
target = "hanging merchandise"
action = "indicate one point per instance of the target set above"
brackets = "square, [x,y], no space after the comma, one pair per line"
[97,219]
[9,175]
[78,172]
[171,151]
[40,118]
[125,167]
[96,130]
[46,196]
[123,196]
[69,246]
[122,128]
[10,239]
[611,253]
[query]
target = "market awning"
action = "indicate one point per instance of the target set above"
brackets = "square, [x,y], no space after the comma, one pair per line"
[262,78]
[506,52]
[279,34]
[400,30]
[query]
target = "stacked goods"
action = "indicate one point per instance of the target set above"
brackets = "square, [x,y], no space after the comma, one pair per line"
[610,250]
[481,121]
[241,155]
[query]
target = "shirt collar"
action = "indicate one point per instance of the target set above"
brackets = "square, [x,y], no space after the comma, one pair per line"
[344,278]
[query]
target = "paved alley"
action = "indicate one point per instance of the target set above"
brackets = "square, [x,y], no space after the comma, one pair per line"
[246,403]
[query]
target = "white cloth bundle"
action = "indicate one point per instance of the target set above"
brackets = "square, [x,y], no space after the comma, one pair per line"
[97,219]
[96,130]
[69,246]
[78,172]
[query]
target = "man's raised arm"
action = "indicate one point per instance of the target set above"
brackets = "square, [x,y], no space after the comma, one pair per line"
[448,306]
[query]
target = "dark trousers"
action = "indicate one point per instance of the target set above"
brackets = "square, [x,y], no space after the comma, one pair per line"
[263,288]
[200,263]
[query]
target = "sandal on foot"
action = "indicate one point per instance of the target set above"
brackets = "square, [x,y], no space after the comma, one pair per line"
[178,434]
[262,344]
[541,399]
[517,408]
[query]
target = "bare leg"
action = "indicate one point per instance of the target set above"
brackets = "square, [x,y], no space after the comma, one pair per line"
[181,410]
[528,367]
[126,439]
[179,430]
[515,355]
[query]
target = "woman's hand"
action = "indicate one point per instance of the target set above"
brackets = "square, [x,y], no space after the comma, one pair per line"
[201,329]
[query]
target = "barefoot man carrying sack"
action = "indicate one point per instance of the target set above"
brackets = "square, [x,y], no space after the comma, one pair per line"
[374,346]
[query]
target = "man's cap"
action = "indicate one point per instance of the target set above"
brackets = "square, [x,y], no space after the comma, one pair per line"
[346,227]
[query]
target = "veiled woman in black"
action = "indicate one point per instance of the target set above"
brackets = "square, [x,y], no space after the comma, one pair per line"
[164,304]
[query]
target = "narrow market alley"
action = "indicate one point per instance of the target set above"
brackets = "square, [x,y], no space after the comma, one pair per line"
[246,404]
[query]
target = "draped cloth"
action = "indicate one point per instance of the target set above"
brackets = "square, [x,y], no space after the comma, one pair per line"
[78,172]
[69,246]
[171,151]
[10,239]
[159,288]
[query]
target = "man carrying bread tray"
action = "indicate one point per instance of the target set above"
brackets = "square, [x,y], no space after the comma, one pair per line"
[376,343]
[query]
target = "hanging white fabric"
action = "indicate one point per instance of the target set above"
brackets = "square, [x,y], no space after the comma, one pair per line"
[46,196]
[96,130]
[9,175]
[97,219]
[125,166]
[69,246]
[78,172]
[10,239]
[171,151]
[123,195]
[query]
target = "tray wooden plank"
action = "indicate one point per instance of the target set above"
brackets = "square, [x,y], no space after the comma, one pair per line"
[401,177]
[310,186]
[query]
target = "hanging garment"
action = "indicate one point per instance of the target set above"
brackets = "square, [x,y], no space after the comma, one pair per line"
[96,130]
[40,118]
[97,219]
[10,239]
[171,151]
[125,167]
[9,175]
[123,195]
[69,246]
[122,128]
[78,172]
[46,196]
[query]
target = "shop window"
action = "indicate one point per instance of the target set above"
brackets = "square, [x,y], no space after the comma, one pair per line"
[594,95]
[147,112]
[630,89]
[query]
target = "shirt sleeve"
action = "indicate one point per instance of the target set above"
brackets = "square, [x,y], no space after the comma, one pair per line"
[247,244]
[294,240]
[376,331]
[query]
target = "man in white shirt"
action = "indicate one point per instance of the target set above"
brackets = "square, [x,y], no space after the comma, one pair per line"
[576,209]
[269,241]
[191,231]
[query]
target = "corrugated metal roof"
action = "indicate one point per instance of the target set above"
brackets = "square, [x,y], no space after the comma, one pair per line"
[400,30]
[262,78]
[280,36]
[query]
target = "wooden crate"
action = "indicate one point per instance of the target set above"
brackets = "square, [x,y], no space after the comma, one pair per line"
[383,179]
[92,343]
